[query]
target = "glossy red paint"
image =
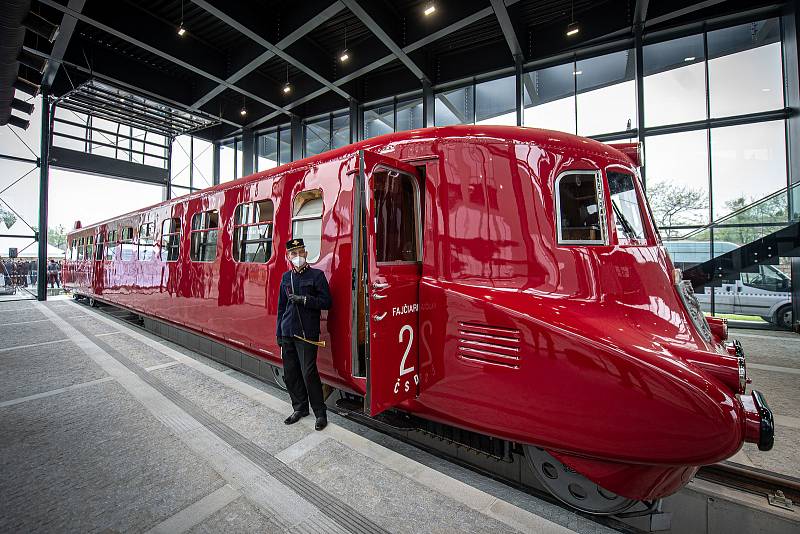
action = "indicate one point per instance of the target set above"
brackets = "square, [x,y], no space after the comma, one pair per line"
[585,351]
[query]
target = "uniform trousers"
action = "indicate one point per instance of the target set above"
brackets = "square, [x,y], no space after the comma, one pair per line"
[302,377]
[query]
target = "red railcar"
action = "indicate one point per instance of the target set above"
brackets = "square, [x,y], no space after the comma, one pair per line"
[504,280]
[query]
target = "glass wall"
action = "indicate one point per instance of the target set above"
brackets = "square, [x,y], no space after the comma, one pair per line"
[326,133]
[496,102]
[549,98]
[227,161]
[378,120]
[713,186]
[267,153]
[395,116]
[191,165]
[456,106]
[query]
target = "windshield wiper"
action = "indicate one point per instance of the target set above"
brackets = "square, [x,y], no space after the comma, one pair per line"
[626,226]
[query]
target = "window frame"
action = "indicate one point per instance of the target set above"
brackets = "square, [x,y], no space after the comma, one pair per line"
[99,248]
[601,209]
[238,226]
[309,218]
[205,231]
[127,241]
[149,229]
[113,241]
[169,235]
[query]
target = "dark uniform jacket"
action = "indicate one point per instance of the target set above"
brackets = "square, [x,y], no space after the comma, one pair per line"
[311,283]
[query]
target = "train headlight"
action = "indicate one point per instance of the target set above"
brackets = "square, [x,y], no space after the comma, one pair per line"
[693,307]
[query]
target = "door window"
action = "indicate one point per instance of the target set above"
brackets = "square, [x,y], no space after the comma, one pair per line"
[396,217]
[767,278]
[580,217]
[307,222]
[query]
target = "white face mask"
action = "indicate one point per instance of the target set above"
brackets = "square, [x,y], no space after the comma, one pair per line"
[298,261]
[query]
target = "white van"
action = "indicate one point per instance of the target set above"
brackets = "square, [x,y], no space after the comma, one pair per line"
[765,293]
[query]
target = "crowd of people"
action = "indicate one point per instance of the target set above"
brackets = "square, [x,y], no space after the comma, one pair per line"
[23,273]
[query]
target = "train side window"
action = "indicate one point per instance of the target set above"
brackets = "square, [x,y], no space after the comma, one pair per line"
[252,232]
[111,245]
[79,253]
[580,215]
[99,250]
[397,216]
[128,251]
[170,239]
[89,247]
[147,241]
[307,221]
[205,226]
[73,250]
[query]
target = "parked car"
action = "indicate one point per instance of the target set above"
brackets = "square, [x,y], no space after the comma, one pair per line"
[765,293]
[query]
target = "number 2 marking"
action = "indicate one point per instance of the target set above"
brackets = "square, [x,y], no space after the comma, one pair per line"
[403,369]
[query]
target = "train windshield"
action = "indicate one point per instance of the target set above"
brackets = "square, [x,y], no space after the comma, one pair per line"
[626,208]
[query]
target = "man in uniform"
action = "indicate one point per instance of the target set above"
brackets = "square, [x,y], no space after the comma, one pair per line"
[303,293]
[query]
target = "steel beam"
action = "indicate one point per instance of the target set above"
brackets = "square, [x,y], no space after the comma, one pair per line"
[44,188]
[65,32]
[373,26]
[510,35]
[247,32]
[447,30]
[283,44]
[126,85]
[154,50]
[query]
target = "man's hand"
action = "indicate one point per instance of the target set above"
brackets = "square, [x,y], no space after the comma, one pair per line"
[297,299]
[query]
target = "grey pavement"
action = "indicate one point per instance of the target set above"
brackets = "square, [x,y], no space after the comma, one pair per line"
[107,428]
[775,371]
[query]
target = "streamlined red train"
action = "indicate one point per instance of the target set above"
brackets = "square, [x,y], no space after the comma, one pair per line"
[505,280]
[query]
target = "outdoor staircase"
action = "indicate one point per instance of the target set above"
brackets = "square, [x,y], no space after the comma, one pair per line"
[784,243]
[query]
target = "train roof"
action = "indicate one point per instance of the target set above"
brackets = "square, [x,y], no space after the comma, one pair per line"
[468,133]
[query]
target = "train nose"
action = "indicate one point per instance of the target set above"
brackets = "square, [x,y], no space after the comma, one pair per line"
[759,422]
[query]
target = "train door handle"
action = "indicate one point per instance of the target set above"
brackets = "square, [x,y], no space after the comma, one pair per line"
[378,296]
[379,317]
[380,285]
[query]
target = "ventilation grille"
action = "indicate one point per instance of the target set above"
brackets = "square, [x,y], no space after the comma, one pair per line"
[489,344]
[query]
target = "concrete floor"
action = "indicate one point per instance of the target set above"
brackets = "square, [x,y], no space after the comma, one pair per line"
[773,363]
[107,428]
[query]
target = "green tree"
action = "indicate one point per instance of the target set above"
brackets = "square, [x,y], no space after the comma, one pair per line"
[752,212]
[676,205]
[7,217]
[57,236]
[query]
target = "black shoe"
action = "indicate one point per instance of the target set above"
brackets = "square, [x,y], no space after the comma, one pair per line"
[295,417]
[321,423]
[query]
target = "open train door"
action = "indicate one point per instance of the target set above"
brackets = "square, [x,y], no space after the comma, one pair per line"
[391,224]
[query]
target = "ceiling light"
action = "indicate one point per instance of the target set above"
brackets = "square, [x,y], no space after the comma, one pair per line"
[572,29]
[430,10]
[766,89]
[577,72]
[181,30]
[690,58]
[243,112]
[287,88]
[344,57]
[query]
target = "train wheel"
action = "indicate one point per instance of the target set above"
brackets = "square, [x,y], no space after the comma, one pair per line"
[572,488]
[277,375]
